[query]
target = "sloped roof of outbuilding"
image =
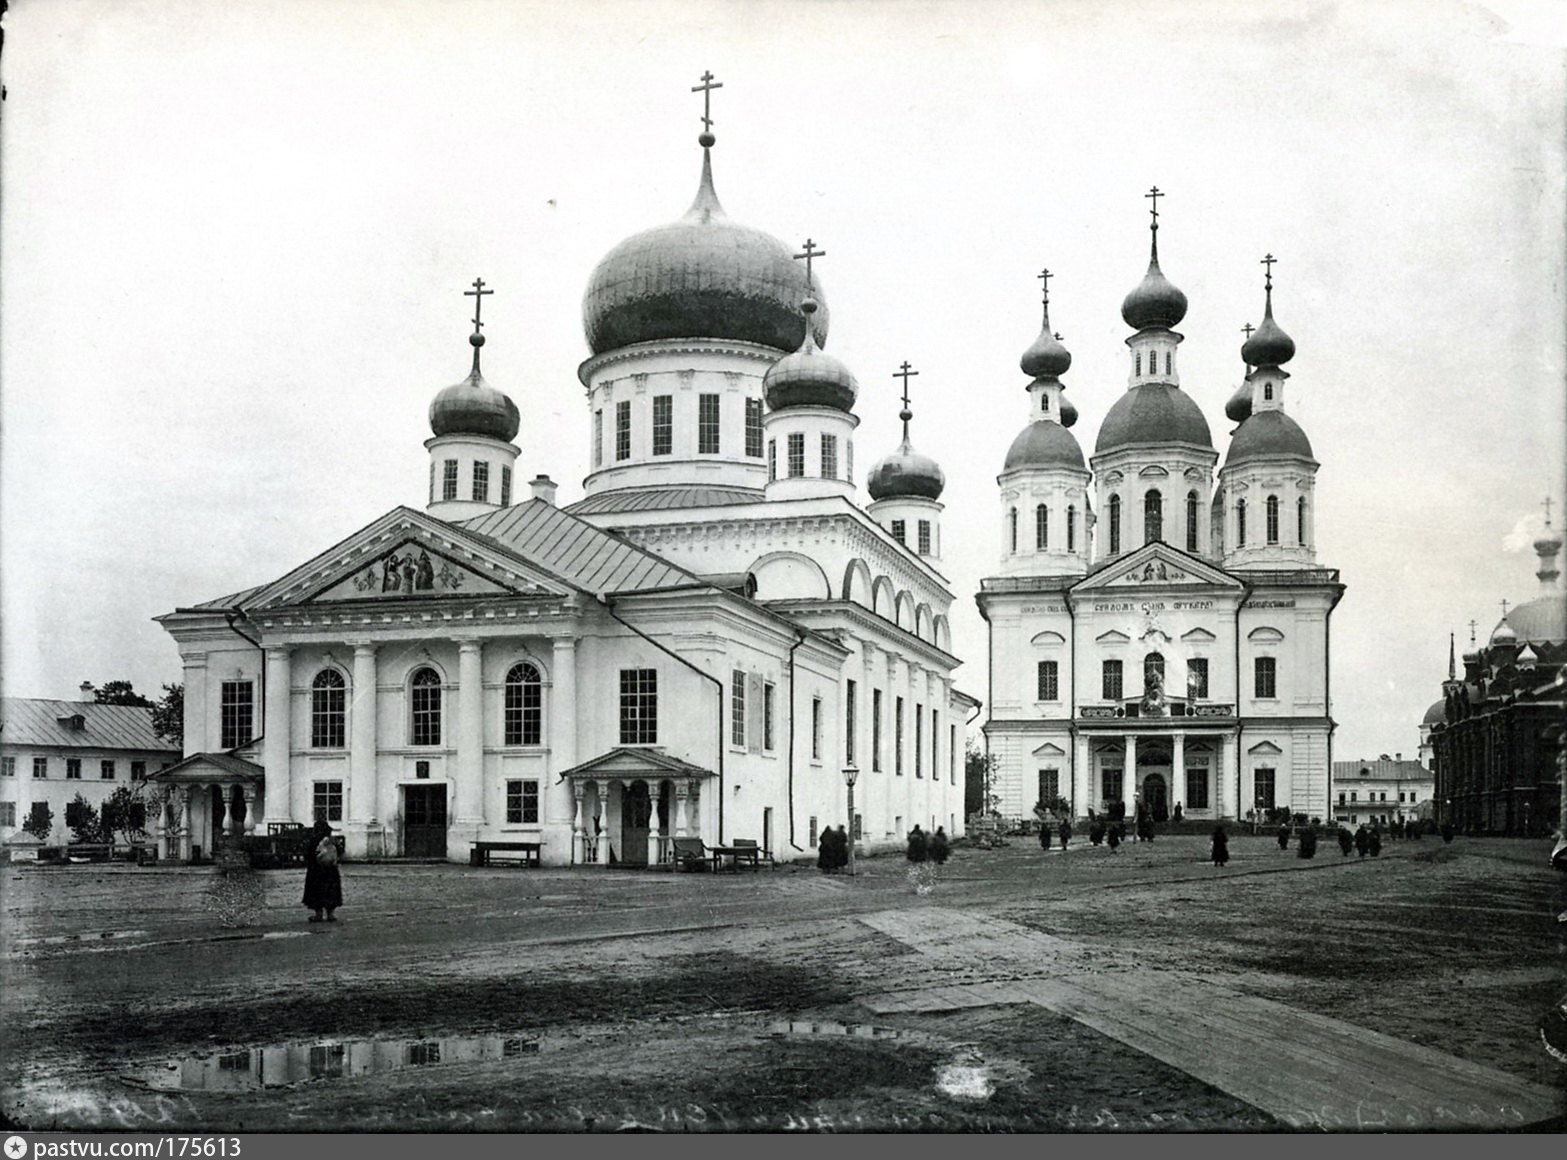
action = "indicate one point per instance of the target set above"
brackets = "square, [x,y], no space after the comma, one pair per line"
[30,721]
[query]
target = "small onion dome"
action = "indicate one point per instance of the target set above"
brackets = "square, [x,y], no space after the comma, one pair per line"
[1268,345]
[1549,543]
[1068,412]
[1046,358]
[1265,435]
[809,378]
[1152,413]
[1503,633]
[1156,301]
[1436,714]
[473,407]
[1045,444]
[1472,657]
[1542,620]
[1238,409]
[906,473]
[703,276]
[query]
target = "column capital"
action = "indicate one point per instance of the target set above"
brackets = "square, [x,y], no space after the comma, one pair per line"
[365,648]
[468,644]
[194,660]
[562,644]
[279,652]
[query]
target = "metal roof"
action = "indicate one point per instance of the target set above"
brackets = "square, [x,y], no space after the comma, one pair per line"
[643,499]
[230,601]
[579,553]
[28,721]
[199,765]
[1382,769]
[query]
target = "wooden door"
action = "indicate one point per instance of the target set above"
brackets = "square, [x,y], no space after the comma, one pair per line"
[636,811]
[424,821]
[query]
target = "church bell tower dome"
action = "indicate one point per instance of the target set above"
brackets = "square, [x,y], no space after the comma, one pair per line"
[473,407]
[906,473]
[809,378]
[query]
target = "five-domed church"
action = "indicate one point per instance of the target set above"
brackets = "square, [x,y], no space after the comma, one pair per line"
[1159,629]
[702,646]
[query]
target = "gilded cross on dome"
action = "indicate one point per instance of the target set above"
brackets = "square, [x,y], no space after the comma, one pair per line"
[810,253]
[1504,609]
[1044,277]
[477,294]
[1247,329]
[1154,195]
[1268,262]
[904,373]
[706,89]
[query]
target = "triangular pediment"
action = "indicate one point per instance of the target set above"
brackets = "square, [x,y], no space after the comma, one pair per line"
[1265,749]
[1198,636]
[1050,749]
[1153,567]
[407,555]
[629,762]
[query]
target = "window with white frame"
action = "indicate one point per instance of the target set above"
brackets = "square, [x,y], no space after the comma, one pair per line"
[327,801]
[623,430]
[898,531]
[73,769]
[897,736]
[876,729]
[522,710]
[919,739]
[707,427]
[772,460]
[1273,519]
[1110,680]
[106,770]
[236,713]
[1191,521]
[1263,787]
[851,719]
[481,481]
[753,428]
[1197,677]
[1197,788]
[922,545]
[40,767]
[7,814]
[1048,680]
[449,479]
[768,720]
[1265,677]
[328,710]
[796,454]
[816,728]
[639,706]
[829,456]
[522,802]
[138,771]
[7,767]
[1041,527]
[598,437]
[737,707]
[424,703]
[663,424]
[505,486]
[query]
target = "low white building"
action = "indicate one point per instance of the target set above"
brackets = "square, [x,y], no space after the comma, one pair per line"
[1386,790]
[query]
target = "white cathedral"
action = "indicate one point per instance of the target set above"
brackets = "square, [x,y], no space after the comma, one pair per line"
[704,645]
[1158,636]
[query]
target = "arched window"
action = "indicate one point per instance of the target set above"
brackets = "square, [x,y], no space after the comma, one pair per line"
[1240,523]
[1153,668]
[1273,519]
[1153,517]
[1071,529]
[328,710]
[424,703]
[1012,527]
[1191,521]
[1044,403]
[1041,527]
[524,706]
[1115,524]
[1267,390]
[1300,521]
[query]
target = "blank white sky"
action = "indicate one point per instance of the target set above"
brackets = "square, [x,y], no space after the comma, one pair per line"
[236,235]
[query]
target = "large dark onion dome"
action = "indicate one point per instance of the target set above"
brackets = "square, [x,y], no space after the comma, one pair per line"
[809,378]
[1156,301]
[1044,444]
[703,276]
[1265,435]
[1269,346]
[906,473]
[1152,413]
[1238,409]
[1046,358]
[473,407]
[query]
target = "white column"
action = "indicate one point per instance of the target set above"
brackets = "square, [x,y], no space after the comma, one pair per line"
[563,704]
[1178,771]
[1080,777]
[1129,773]
[579,851]
[603,834]
[470,733]
[652,823]
[188,817]
[195,712]
[249,794]
[160,832]
[362,788]
[1222,777]
[696,811]
[275,758]
[680,809]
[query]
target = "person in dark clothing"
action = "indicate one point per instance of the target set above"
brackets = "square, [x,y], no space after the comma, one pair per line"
[1145,828]
[1284,836]
[1065,832]
[1114,838]
[1374,842]
[1176,816]
[1346,841]
[919,845]
[1362,840]
[1096,832]
[1448,831]
[1044,836]
[1221,846]
[826,856]
[940,848]
[323,882]
[1308,843]
[840,845]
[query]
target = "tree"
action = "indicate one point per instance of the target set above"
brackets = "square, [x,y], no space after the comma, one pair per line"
[119,693]
[83,820]
[40,821]
[168,715]
[979,770]
[124,815]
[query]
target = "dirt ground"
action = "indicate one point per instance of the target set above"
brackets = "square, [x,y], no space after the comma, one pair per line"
[456,999]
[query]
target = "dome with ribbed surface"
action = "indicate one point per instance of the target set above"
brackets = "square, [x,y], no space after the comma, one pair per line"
[1542,620]
[1045,444]
[1153,413]
[473,407]
[1267,434]
[703,276]
[809,378]
[906,473]
[1155,302]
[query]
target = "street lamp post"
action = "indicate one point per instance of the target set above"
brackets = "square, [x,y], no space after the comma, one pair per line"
[851,774]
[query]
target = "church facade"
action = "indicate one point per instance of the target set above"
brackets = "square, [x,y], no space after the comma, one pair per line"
[713,642]
[1159,625]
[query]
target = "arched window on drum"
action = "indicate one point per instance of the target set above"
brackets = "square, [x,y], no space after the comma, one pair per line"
[524,706]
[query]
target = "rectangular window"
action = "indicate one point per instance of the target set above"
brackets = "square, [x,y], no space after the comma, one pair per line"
[796,454]
[522,708]
[707,425]
[1197,677]
[753,428]
[897,736]
[876,730]
[1383,798]
[1191,523]
[328,801]
[1341,797]
[73,768]
[768,690]
[1400,795]
[1351,795]
[814,834]
[1049,681]
[848,460]
[898,531]
[1049,785]
[422,770]
[1196,789]
[1110,782]
[851,717]
[481,481]
[664,424]
[1041,527]
[829,456]
[623,430]
[772,460]
[935,745]
[40,767]
[236,714]
[432,481]
[919,739]
[7,767]
[522,802]
[598,438]
[816,728]
[924,538]
[449,479]
[505,486]
[1262,782]
[425,709]
[952,755]
[106,770]
[7,814]
[639,706]
[1272,519]
[1265,675]
[737,708]
[1110,681]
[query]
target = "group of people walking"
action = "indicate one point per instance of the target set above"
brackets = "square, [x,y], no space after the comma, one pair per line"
[832,851]
[934,848]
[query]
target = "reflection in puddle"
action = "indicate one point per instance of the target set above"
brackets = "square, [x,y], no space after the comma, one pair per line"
[265,1067]
[830,1027]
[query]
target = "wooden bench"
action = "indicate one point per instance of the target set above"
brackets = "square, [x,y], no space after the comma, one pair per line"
[689,853]
[91,851]
[739,851]
[761,855]
[482,852]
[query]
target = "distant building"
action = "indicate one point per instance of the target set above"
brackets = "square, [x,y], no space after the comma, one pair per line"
[1386,790]
[1497,731]
[50,751]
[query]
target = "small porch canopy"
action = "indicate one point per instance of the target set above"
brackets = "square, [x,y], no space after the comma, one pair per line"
[210,794]
[630,805]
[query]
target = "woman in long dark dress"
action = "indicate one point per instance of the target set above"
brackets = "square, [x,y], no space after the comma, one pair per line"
[1221,846]
[825,859]
[323,883]
[1346,843]
[1065,831]
[919,845]
[1362,840]
[940,847]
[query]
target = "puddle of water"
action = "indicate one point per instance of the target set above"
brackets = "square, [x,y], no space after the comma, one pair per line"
[63,939]
[830,1027]
[255,1068]
[967,1077]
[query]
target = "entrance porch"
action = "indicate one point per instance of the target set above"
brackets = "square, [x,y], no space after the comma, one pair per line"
[630,805]
[206,799]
